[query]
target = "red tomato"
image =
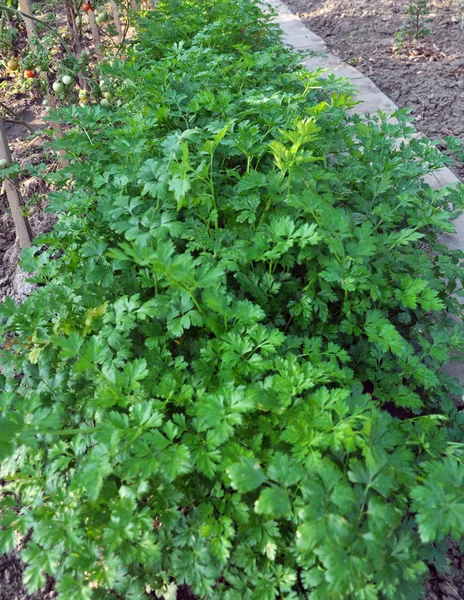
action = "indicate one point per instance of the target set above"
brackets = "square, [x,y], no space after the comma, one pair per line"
[86,7]
[30,73]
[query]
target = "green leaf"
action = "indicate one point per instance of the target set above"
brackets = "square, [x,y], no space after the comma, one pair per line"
[273,501]
[72,589]
[70,345]
[36,559]
[246,475]
[93,471]
[9,431]
[8,540]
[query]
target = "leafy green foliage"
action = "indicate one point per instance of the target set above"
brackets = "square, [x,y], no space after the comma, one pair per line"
[231,373]
[418,11]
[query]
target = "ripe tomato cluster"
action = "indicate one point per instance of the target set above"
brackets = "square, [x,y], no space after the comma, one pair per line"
[13,65]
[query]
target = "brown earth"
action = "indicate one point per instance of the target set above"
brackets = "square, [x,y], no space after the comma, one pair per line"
[11,587]
[26,152]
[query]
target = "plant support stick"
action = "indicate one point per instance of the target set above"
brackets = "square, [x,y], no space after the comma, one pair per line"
[31,28]
[95,34]
[117,20]
[23,230]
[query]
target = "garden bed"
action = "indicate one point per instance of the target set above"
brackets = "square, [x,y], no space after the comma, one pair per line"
[427,75]
[230,375]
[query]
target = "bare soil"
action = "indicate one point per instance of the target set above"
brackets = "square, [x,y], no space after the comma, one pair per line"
[426,75]
[26,152]
[11,587]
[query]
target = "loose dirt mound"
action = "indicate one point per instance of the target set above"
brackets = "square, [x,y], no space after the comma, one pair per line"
[11,587]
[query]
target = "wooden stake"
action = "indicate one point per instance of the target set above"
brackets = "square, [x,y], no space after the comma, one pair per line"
[23,230]
[135,5]
[71,18]
[117,20]
[31,28]
[95,33]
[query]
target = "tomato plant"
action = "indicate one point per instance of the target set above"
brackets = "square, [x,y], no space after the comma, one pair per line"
[53,55]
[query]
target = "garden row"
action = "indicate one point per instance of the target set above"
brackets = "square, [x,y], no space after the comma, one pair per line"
[230,375]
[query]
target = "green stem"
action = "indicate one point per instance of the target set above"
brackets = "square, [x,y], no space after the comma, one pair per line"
[186,289]
[124,35]
[17,118]
[69,431]
[5,43]
[213,196]
[88,137]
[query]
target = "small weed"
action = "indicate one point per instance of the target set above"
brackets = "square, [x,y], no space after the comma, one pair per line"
[415,28]
[418,12]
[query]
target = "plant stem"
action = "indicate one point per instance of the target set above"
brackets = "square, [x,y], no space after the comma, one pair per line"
[17,118]
[124,35]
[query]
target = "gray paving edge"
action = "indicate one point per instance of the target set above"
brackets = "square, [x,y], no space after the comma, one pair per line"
[297,35]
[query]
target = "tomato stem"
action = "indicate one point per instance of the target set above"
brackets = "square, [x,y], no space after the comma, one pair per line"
[17,117]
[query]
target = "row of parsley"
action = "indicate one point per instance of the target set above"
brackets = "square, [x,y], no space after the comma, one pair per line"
[230,375]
